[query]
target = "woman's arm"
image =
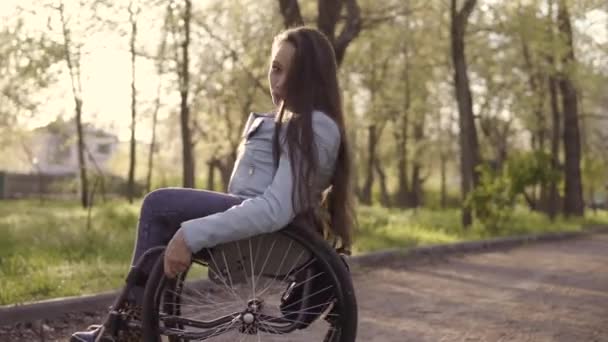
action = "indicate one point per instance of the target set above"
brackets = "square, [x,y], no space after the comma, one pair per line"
[270,211]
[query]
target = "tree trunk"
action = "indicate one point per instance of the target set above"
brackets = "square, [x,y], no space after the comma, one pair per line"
[366,192]
[211,174]
[416,189]
[74,70]
[153,139]
[159,71]
[416,192]
[444,193]
[151,152]
[82,165]
[502,152]
[132,154]
[356,172]
[401,197]
[538,90]
[225,168]
[553,202]
[384,196]
[535,82]
[187,153]
[469,150]
[401,134]
[445,156]
[573,196]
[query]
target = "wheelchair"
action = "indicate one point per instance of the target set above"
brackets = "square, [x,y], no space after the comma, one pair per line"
[290,285]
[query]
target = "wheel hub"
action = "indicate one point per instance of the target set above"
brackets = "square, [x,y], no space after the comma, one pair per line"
[249,317]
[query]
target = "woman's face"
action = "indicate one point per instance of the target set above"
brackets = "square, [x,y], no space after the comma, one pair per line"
[280,63]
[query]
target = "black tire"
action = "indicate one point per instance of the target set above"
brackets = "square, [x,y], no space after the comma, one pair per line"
[340,315]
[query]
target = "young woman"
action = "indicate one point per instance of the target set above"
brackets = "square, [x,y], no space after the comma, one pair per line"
[291,164]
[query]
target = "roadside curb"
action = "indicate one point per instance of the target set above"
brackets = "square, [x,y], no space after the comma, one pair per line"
[467,247]
[55,308]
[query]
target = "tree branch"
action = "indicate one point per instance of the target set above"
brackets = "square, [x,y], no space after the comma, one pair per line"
[371,20]
[466,10]
[351,29]
[290,10]
[234,54]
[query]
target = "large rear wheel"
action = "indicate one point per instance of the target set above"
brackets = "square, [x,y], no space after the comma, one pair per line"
[285,286]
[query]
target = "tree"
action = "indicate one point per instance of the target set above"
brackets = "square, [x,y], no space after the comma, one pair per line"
[469,146]
[329,15]
[573,196]
[133,12]
[72,59]
[369,71]
[22,83]
[232,57]
[401,126]
[160,60]
[538,49]
[180,27]
[553,205]
[373,84]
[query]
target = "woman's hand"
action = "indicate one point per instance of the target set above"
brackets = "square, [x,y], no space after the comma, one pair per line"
[177,255]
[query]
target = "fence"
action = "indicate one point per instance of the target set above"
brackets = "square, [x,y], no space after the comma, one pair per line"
[18,185]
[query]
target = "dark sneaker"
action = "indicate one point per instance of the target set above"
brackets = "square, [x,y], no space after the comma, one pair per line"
[95,335]
[309,296]
[306,298]
[116,329]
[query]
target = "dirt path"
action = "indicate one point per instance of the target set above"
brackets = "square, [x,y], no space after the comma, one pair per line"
[544,292]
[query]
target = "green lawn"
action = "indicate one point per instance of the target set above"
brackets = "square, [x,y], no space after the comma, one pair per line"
[47,251]
[382,228]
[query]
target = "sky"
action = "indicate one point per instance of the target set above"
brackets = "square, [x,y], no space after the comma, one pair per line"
[106,78]
[107,73]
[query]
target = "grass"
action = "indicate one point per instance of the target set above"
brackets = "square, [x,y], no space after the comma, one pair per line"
[47,250]
[383,228]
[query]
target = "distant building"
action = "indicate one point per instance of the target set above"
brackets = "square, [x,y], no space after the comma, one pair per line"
[54,148]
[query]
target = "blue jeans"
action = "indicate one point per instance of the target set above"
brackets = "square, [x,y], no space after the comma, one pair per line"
[163,211]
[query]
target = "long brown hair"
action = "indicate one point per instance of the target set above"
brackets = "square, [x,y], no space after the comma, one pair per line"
[312,84]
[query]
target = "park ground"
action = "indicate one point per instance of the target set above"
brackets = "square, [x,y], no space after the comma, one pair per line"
[551,291]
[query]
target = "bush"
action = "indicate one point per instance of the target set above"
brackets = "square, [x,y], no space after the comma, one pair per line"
[494,199]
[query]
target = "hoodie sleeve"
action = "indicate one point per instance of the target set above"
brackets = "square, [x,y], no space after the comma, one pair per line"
[273,209]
